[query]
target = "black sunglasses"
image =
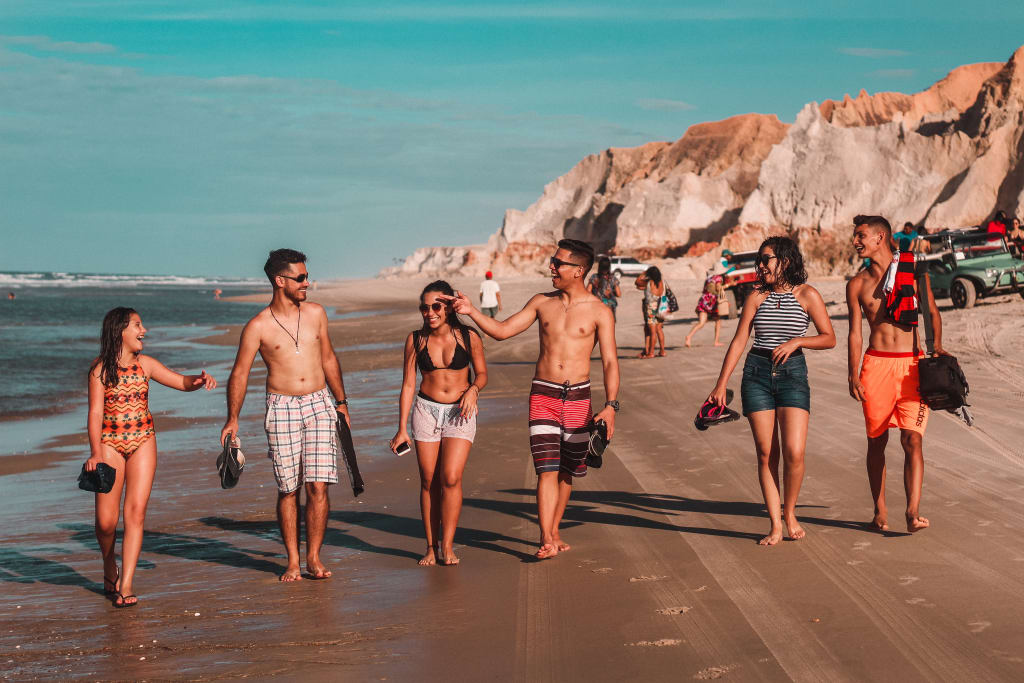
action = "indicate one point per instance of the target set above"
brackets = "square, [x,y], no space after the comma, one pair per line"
[297,278]
[437,307]
[558,263]
[764,259]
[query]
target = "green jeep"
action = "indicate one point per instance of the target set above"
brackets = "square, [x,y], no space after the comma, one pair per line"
[965,265]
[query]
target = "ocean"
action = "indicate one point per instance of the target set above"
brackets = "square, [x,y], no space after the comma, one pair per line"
[49,333]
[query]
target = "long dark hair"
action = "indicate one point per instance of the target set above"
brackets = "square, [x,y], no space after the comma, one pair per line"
[604,266]
[114,323]
[791,263]
[442,287]
[653,274]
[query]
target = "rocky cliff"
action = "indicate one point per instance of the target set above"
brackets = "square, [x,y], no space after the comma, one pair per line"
[947,156]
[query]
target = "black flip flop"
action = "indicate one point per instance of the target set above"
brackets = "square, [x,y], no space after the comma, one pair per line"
[123,604]
[112,582]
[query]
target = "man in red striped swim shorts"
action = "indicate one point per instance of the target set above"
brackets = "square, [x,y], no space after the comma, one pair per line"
[572,321]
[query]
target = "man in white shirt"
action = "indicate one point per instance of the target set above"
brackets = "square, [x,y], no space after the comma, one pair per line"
[490,296]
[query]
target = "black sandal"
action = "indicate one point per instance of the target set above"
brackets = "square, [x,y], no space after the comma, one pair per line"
[113,582]
[123,604]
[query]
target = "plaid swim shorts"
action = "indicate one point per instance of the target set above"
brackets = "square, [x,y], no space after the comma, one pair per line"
[303,439]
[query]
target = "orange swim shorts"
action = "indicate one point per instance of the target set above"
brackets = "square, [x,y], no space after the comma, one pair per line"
[892,396]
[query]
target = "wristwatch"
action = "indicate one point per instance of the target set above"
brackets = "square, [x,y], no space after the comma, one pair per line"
[342,402]
[614,405]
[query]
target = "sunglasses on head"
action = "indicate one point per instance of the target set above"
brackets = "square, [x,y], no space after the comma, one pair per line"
[437,307]
[764,259]
[297,278]
[558,263]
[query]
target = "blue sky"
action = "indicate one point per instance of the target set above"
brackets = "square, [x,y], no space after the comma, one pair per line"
[190,137]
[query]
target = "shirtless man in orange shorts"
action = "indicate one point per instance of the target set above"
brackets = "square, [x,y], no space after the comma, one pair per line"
[887,384]
[572,322]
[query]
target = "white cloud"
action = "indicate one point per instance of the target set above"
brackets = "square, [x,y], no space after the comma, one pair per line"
[47,44]
[654,104]
[872,52]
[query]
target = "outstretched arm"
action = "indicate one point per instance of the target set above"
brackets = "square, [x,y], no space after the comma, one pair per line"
[739,342]
[855,340]
[610,365]
[239,379]
[497,329]
[332,368]
[169,378]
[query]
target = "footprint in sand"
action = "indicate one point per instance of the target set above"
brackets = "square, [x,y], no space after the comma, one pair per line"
[907,580]
[951,503]
[979,626]
[984,522]
[664,642]
[920,601]
[602,570]
[854,562]
[700,589]
[673,610]
[634,579]
[861,545]
[713,672]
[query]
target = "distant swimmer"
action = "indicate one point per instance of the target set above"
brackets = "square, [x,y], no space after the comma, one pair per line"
[301,419]
[121,435]
[10,296]
[775,391]
[887,382]
[217,293]
[450,357]
[572,321]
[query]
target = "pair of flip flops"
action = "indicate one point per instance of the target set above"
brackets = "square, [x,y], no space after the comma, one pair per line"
[230,463]
[598,442]
[711,414]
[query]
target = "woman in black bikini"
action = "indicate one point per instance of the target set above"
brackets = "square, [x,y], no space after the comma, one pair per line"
[443,415]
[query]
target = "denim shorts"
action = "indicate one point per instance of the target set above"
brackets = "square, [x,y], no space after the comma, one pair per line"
[767,386]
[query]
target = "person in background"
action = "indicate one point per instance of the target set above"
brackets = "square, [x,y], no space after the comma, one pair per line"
[654,294]
[604,285]
[708,307]
[905,237]
[998,223]
[1016,235]
[920,245]
[490,296]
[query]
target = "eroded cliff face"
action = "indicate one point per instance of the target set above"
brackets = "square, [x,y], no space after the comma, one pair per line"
[945,157]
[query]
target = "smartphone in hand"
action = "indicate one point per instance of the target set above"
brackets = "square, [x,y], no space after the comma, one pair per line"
[403,448]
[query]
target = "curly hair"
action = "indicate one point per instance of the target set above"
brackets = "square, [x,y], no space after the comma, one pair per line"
[114,323]
[791,263]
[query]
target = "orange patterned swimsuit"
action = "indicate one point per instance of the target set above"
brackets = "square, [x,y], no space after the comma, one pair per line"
[127,422]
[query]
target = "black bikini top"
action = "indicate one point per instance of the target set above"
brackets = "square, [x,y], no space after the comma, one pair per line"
[460,359]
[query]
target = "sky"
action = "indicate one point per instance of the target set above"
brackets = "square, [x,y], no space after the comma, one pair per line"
[192,136]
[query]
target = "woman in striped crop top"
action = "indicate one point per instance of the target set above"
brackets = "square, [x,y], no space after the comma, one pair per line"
[775,393]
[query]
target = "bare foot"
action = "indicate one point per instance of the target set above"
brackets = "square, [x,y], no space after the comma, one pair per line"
[661,354]
[428,560]
[794,530]
[561,545]
[773,537]
[447,558]
[880,522]
[686,342]
[317,571]
[718,343]
[643,354]
[546,551]
[291,574]
[916,523]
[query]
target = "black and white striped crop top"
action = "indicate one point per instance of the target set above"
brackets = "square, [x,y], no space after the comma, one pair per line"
[779,318]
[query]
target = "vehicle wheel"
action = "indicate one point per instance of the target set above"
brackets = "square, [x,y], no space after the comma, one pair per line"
[963,293]
[617,273]
[730,298]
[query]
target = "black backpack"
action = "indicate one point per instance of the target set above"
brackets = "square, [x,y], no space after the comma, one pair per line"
[942,382]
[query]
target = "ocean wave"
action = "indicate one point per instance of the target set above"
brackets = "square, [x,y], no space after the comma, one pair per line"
[58,279]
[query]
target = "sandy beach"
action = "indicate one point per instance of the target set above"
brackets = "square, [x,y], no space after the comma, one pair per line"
[665,579]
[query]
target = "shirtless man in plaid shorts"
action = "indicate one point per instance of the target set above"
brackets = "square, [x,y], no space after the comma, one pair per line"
[302,375]
[572,320]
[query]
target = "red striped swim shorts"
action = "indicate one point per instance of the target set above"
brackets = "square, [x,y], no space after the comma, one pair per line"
[559,426]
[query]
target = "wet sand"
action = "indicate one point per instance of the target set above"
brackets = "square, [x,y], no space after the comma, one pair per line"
[665,580]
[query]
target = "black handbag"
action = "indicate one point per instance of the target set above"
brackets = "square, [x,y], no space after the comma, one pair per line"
[673,303]
[943,385]
[100,480]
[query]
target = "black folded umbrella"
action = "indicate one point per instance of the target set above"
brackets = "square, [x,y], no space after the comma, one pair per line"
[348,455]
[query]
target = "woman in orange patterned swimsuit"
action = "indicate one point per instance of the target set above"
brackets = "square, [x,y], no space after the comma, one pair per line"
[121,435]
